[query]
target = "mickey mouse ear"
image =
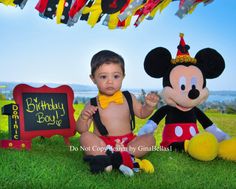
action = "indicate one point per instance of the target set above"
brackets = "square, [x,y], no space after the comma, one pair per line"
[157,62]
[112,6]
[210,62]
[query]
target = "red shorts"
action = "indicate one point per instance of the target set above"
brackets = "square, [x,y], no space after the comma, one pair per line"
[178,132]
[124,139]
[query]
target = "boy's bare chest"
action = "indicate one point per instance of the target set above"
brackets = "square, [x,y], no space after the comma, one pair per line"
[115,112]
[116,119]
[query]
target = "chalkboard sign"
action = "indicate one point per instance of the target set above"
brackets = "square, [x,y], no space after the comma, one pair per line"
[45,111]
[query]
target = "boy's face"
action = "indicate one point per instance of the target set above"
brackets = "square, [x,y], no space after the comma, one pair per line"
[108,78]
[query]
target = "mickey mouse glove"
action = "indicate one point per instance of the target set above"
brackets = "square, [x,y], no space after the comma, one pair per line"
[148,128]
[219,134]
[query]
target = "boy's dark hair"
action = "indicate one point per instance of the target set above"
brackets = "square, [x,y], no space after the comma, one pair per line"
[106,57]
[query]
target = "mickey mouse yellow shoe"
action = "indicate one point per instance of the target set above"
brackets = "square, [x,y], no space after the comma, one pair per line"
[227,149]
[203,146]
[145,165]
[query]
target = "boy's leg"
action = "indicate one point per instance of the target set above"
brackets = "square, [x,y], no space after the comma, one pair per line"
[92,144]
[141,145]
[99,160]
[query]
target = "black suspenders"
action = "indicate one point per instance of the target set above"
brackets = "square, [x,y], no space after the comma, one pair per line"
[96,117]
[130,103]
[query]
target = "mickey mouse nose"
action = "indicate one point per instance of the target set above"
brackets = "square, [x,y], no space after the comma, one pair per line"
[193,94]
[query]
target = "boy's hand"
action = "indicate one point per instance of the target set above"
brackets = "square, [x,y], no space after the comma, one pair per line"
[88,112]
[151,99]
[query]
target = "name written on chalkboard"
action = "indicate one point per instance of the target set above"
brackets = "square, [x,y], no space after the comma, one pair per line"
[48,110]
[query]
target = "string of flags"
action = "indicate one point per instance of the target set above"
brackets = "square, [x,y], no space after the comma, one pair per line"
[20,3]
[112,13]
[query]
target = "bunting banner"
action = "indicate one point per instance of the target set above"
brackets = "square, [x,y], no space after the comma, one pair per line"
[112,13]
[20,3]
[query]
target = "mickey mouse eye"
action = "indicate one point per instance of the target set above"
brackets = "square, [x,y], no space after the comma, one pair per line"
[193,82]
[182,83]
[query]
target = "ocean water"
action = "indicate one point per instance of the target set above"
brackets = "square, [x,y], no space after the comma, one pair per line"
[221,98]
[211,98]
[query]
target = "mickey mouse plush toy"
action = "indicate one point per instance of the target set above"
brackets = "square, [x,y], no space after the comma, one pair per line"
[184,88]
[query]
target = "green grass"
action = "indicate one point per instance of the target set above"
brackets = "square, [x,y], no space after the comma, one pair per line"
[50,164]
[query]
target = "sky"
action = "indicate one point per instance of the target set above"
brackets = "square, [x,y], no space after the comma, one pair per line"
[33,49]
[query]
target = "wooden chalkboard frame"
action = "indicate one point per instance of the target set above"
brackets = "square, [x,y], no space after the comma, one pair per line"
[21,89]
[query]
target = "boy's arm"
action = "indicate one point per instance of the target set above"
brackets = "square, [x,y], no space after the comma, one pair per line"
[85,119]
[143,111]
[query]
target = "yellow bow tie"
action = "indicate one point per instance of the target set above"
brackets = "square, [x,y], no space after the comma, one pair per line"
[105,100]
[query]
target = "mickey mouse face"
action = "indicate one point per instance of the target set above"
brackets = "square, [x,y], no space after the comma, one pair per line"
[184,83]
[186,88]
